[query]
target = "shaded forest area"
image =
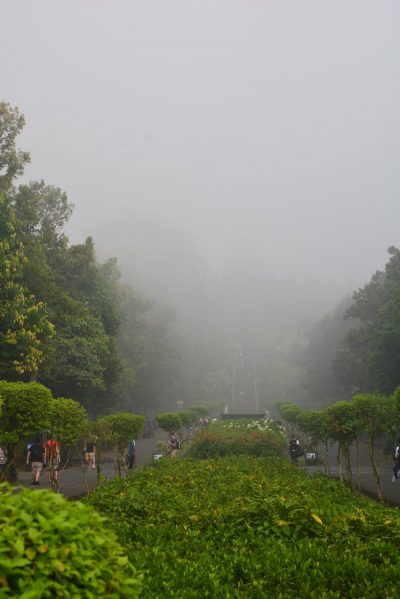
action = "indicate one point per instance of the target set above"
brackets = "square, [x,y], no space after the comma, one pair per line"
[238,338]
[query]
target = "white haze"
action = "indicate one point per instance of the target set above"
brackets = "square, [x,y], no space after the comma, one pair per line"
[213,131]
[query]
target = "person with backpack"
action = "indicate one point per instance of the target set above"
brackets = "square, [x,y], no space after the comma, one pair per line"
[36,458]
[396,457]
[52,458]
[173,444]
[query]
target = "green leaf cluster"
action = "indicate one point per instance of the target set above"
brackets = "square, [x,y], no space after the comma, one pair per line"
[124,428]
[52,548]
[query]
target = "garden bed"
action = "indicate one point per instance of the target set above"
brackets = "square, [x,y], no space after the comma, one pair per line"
[251,527]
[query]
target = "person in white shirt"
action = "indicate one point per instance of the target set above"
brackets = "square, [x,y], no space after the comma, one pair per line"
[396,457]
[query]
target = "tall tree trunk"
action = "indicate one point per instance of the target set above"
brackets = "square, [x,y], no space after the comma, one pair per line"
[328,459]
[375,469]
[358,465]
[339,461]
[347,461]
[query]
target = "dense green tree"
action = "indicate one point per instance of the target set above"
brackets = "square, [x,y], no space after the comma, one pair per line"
[24,323]
[369,360]
[65,319]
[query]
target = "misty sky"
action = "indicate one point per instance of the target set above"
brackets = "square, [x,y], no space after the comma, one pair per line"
[267,128]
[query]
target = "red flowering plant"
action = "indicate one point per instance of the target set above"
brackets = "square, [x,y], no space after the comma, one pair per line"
[261,437]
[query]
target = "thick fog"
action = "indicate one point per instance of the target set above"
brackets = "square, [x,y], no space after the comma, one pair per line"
[248,147]
[259,128]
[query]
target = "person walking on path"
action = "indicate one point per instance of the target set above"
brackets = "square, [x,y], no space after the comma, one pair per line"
[36,458]
[90,454]
[396,457]
[52,460]
[295,451]
[131,454]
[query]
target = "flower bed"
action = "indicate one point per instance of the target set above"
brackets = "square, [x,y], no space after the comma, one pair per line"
[251,437]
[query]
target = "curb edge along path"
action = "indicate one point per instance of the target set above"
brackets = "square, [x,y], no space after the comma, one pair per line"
[72,480]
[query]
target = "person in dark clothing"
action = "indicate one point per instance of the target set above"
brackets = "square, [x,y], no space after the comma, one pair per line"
[131,454]
[295,450]
[36,458]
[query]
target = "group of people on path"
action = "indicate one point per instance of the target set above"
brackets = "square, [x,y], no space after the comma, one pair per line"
[43,454]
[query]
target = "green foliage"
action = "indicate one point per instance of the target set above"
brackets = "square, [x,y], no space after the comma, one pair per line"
[53,548]
[24,323]
[65,319]
[236,437]
[68,420]
[315,425]
[369,360]
[247,527]
[26,410]
[124,427]
[101,431]
[376,413]
[187,418]
[342,422]
[201,409]
[169,421]
[12,160]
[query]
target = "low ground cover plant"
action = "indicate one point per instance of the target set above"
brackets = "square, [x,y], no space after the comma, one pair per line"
[236,437]
[247,527]
[52,548]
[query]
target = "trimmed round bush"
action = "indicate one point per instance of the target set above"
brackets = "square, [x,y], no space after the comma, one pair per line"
[52,548]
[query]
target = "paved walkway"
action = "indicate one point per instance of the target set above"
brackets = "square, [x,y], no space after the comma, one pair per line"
[76,480]
[391,491]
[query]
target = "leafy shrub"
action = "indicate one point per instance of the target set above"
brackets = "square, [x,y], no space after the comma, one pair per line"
[236,437]
[25,410]
[169,421]
[51,548]
[124,427]
[246,527]
[68,420]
